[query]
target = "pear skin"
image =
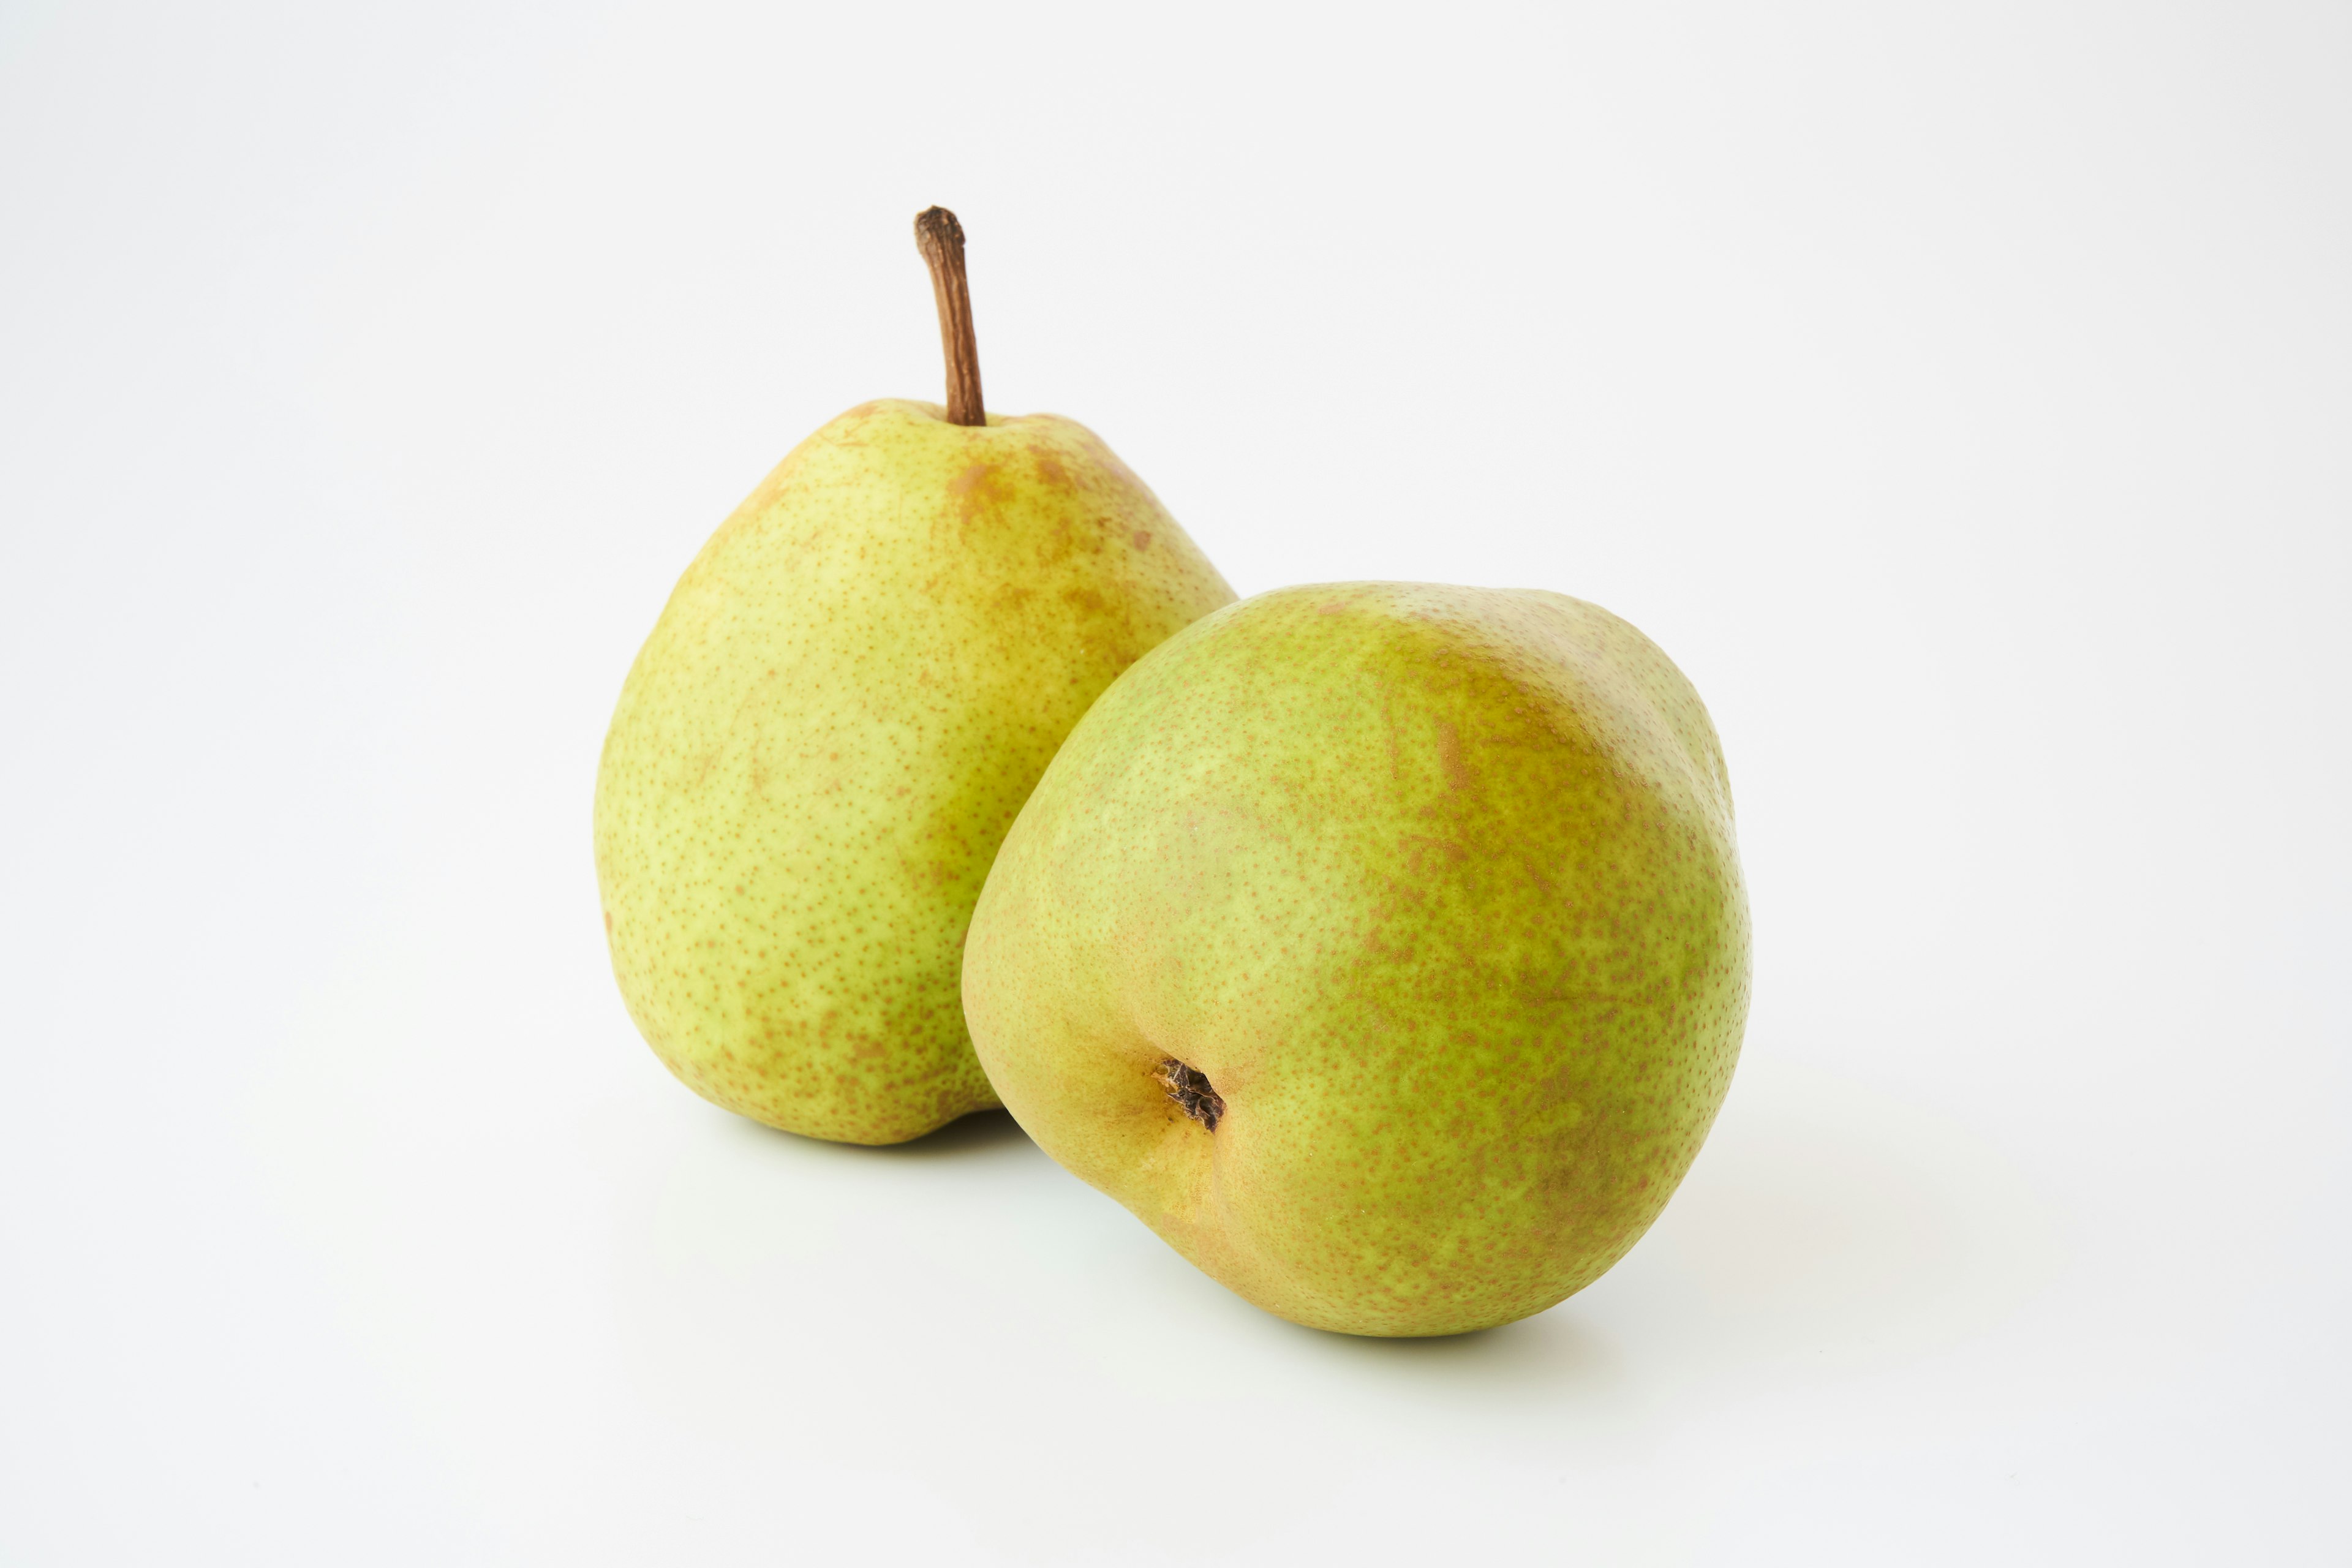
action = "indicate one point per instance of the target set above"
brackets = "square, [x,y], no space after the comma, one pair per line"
[1381,946]
[849,696]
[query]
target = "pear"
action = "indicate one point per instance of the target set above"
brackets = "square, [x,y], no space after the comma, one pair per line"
[1381,946]
[849,695]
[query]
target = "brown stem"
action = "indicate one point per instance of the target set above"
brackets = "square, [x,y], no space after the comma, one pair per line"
[940,240]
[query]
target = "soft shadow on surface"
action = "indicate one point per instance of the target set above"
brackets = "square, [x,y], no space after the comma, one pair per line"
[980,1131]
[1827,1217]
[1555,1355]
[973,1133]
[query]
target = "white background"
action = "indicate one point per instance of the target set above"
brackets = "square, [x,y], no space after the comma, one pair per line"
[1961,394]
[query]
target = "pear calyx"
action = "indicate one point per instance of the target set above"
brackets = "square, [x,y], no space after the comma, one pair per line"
[1191,1090]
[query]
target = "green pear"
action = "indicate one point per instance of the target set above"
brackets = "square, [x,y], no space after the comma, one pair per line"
[1382,946]
[851,692]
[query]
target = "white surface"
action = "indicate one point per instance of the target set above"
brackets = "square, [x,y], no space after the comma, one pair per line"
[1959,393]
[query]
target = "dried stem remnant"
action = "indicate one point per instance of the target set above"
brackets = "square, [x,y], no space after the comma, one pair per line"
[940,240]
[1189,1087]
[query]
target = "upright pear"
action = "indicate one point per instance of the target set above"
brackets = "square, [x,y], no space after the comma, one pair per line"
[1382,946]
[850,694]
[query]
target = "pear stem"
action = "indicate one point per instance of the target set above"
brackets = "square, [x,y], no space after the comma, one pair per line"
[940,240]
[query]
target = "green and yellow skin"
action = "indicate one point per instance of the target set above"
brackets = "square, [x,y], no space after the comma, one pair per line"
[849,696]
[1436,891]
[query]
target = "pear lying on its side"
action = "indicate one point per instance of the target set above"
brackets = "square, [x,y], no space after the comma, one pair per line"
[1381,946]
